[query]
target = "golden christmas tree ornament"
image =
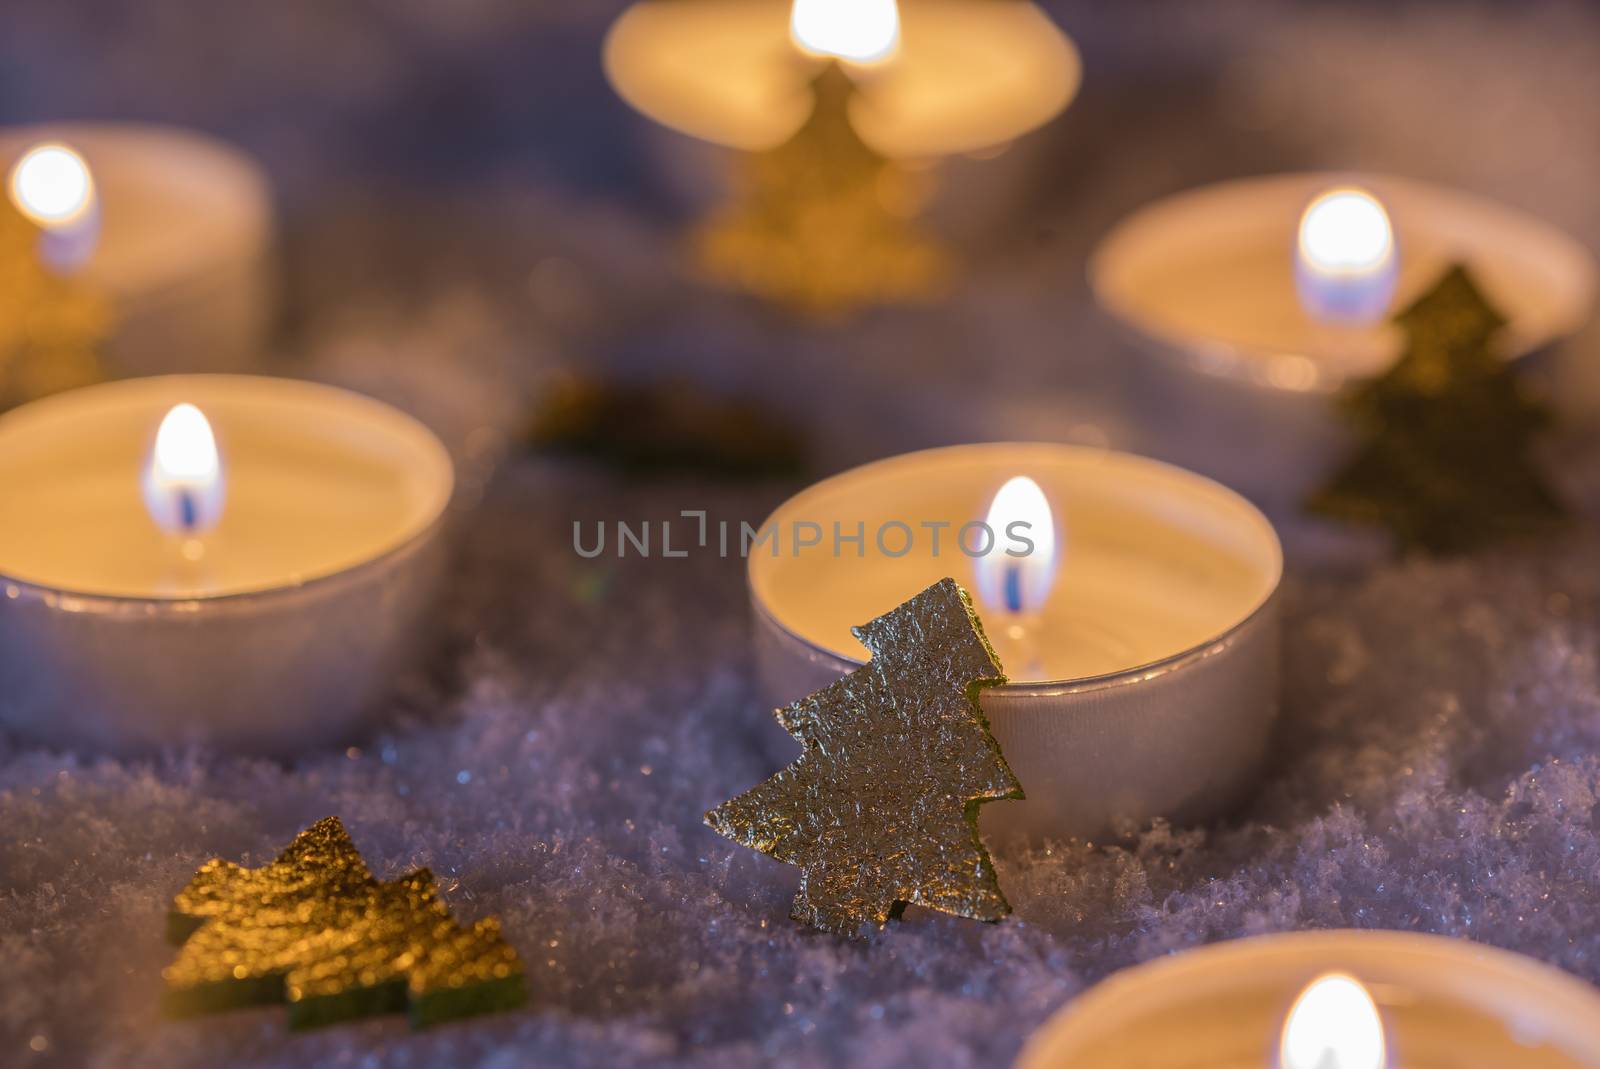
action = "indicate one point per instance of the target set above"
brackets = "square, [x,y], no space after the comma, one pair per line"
[880,810]
[1444,461]
[317,931]
[822,224]
[51,325]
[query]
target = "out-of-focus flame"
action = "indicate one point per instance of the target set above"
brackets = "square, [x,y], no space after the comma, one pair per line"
[183,480]
[52,185]
[860,31]
[1018,585]
[1334,1024]
[1345,259]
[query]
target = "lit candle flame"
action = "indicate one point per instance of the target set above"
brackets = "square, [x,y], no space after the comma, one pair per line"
[1012,580]
[51,184]
[1345,260]
[860,31]
[1334,1024]
[183,483]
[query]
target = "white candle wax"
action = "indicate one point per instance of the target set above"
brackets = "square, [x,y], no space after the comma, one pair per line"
[319,481]
[1149,678]
[182,247]
[277,634]
[1443,1004]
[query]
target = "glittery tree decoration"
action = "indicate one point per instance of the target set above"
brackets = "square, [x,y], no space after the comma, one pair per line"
[881,808]
[51,326]
[1444,462]
[823,224]
[314,929]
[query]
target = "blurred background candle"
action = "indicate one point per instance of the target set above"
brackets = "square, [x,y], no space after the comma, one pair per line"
[174,229]
[1329,1000]
[233,561]
[831,101]
[937,77]
[1135,610]
[1253,302]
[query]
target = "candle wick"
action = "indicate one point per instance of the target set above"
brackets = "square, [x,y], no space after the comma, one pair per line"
[1018,627]
[1013,588]
[188,511]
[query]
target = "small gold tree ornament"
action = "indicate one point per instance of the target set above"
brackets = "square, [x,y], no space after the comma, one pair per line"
[1446,433]
[315,930]
[823,224]
[51,325]
[880,809]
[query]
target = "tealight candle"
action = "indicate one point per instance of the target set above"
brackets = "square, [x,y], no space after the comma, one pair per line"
[174,228]
[1329,1000]
[1261,298]
[937,77]
[226,560]
[1133,604]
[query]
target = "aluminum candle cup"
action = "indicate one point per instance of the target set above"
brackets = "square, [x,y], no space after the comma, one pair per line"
[1208,283]
[1146,682]
[1442,1004]
[184,250]
[271,632]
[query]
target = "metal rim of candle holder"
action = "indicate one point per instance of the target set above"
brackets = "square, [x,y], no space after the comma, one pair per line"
[1052,687]
[13,589]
